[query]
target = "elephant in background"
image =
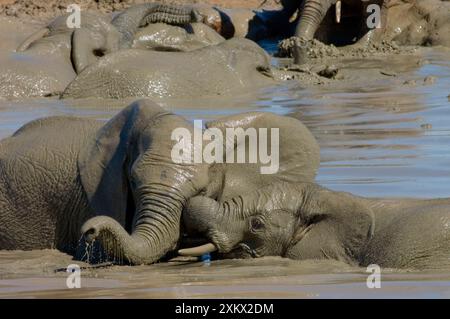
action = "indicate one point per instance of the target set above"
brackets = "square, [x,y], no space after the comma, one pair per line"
[231,66]
[43,65]
[61,177]
[333,21]
[50,58]
[345,23]
[419,22]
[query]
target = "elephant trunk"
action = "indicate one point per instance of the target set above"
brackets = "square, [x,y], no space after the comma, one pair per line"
[155,231]
[128,22]
[311,16]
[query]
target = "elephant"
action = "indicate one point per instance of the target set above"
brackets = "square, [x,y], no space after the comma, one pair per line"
[43,65]
[66,181]
[128,21]
[58,172]
[226,68]
[340,29]
[419,22]
[306,221]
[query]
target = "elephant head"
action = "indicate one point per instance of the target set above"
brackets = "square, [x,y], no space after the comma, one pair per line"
[129,168]
[345,21]
[293,220]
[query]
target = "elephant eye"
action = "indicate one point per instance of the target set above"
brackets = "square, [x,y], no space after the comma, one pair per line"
[256,224]
[98,52]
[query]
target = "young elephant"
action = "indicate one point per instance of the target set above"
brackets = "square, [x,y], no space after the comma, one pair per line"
[306,221]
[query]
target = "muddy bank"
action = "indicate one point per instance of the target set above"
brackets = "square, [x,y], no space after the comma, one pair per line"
[44,9]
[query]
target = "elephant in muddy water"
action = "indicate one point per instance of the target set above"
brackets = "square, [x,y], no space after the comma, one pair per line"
[50,58]
[43,64]
[352,23]
[306,221]
[231,66]
[118,183]
[339,22]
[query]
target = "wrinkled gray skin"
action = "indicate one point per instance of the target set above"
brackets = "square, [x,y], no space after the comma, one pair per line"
[61,177]
[229,67]
[128,22]
[419,22]
[313,13]
[46,62]
[305,221]
[58,172]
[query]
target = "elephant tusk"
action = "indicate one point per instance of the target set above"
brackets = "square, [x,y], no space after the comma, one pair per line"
[338,11]
[198,251]
[294,16]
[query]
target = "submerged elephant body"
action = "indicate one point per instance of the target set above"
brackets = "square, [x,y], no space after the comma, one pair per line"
[231,66]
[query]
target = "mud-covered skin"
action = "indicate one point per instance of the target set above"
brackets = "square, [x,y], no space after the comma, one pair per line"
[231,66]
[164,37]
[406,22]
[42,64]
[317,19]
[413,22]
[305,221]
[128,21]
[58,172]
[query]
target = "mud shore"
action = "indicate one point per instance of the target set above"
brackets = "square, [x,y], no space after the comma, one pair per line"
[43,9]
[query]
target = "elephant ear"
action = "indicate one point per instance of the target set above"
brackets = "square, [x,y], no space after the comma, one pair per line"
[103,163]
[88,46]
[298,152]
[331,225]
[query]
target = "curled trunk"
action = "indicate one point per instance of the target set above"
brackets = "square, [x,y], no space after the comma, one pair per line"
[225,223]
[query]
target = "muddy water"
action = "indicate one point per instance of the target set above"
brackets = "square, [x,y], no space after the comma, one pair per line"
[382,138]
